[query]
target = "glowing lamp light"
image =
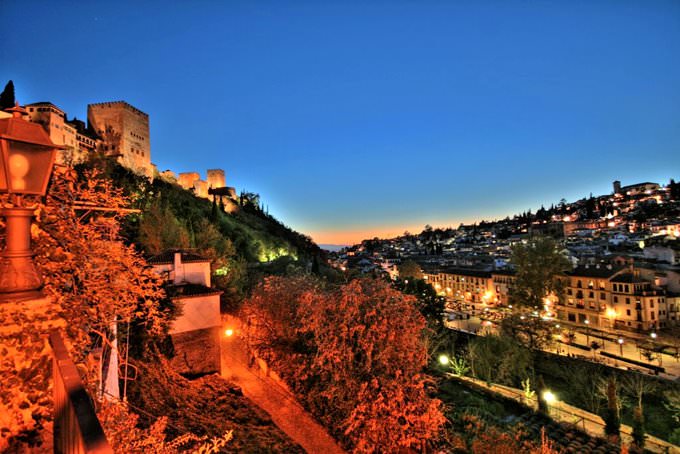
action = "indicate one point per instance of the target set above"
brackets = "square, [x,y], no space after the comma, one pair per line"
[26,156]
[652,335]
[228,332]
[443,360]
[611,313]
[549,397]
[620,341]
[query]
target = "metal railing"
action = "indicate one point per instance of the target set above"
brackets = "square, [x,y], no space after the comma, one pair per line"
[76,427]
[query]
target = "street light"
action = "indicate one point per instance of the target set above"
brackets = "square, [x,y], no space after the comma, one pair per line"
[549,399]
[620,341]
[26,159]
[587,322]
[443,360]
[228,332]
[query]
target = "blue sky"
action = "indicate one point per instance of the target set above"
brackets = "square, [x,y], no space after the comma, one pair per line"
[356,119]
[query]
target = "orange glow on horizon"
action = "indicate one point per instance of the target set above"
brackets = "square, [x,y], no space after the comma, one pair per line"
[356,236]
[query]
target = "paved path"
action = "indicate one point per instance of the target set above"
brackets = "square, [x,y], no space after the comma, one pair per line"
[273,398]
[589,422]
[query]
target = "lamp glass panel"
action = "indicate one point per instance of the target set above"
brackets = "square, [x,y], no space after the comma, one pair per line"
[28,166]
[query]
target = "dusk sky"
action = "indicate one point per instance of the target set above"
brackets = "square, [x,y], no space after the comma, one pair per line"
[362,119]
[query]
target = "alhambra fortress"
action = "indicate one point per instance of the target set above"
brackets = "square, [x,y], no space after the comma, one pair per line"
[120,130]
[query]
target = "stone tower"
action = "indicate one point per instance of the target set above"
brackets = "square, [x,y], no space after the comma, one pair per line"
[216,178]
[125,131]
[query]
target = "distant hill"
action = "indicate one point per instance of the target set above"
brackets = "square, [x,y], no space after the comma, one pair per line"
[332,247]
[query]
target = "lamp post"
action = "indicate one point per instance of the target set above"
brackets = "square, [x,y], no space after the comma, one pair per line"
[620,341]
[26,159]
[587,322]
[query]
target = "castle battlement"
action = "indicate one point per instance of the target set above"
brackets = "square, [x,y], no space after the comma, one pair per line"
[119,104]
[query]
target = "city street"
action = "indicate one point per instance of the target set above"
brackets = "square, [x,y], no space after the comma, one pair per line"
[608,342]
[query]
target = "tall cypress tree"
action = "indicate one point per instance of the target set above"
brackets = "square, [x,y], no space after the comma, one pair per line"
[7,96]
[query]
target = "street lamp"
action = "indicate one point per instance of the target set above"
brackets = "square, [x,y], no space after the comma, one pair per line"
[549,399]
[620,341]
[26,159]
[587,322]
[443,360]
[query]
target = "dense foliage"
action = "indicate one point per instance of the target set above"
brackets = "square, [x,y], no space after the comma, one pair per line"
[354,354]
[93,279]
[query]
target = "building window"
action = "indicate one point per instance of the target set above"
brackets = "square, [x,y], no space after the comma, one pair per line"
[603,296]
[627,311]
[627,300]
[651,303]
[591,295]
[616,299]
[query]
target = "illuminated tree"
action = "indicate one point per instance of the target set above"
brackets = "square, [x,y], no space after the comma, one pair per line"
[538,265]
[410,270]
[93,279]
[354,354]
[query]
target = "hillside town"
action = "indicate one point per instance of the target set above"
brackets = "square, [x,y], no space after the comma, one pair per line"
[624,248]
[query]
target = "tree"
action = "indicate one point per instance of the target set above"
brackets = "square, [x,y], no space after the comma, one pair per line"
[637,385]
[497,359]
[612,419]
[527,330]
[410,270]
[353,353]
[160,230]
[538,265]
[584,379]
[7,99]
[638,429]
[93,279]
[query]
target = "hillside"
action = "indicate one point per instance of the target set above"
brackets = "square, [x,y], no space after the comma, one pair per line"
[256,236]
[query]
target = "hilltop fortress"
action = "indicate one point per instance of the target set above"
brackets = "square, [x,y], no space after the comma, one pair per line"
[120,130]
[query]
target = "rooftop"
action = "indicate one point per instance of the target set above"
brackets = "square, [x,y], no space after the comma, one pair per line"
[629,278]
[601,271]
[168,257]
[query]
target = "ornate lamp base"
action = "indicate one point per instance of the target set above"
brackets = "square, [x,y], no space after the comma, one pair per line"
[19,279]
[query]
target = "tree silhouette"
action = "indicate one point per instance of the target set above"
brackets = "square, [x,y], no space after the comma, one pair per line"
[7,96]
